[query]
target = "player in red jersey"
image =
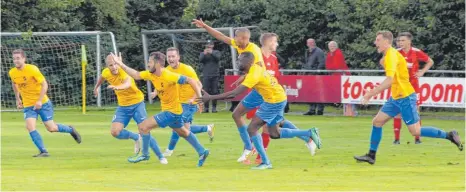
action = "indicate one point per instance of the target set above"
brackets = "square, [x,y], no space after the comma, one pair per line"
[413,56]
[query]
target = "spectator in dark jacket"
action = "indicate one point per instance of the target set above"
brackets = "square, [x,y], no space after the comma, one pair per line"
[210,59]
[315,59]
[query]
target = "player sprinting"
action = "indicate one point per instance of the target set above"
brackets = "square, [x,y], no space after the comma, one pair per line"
[30,88]
[269,44]
[271,110]
[166,84]
[130,105]
[403,100]
[253,99]
[412,56]
[187,99]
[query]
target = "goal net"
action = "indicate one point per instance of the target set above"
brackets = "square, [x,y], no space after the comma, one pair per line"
[58,56]
[191,43]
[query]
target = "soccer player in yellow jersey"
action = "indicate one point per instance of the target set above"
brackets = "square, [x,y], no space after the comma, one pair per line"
[187,96]
[402,101]
[30,89]
[130,105]
[271,109]
[242,44]
[166,84]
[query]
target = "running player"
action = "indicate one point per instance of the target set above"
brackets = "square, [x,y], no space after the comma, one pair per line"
[130,105]
[30,89]
[403,100]
[269,43]
[166,84]
[271,109]
[413,56]
[253,99]
[187,96]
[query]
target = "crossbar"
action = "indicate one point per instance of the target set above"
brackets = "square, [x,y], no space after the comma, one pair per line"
[199,30]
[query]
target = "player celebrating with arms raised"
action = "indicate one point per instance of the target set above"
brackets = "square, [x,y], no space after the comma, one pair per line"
[130,105]
[165,82]
[187,99]
[271,109]
[403,100]
[30,89]
[253,99]
[413,56]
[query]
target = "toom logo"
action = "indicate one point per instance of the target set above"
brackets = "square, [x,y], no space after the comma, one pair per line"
[434,92]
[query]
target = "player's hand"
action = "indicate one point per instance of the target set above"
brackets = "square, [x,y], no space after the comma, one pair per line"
[419,74]
[117,58]
[38,105]
[96,93]
[366,98]
[19,104]
[112,87]
[199,23]
[153,94]
[205,97]
[200,107]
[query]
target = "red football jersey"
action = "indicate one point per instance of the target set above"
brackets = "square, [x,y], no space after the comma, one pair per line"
[413,56]
[271,64]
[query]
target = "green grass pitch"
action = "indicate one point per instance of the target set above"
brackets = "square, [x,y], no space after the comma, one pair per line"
[100,162]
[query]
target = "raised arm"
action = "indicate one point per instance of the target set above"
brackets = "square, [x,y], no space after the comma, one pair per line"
[217,34]
[216,54]
[131,72]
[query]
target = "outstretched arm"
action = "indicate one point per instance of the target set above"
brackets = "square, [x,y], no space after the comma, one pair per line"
[131,72]
[228,95]
[217,34]
[125,85]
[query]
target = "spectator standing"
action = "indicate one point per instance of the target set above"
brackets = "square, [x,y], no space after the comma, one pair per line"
[210,60]
[315,59]
[336,61]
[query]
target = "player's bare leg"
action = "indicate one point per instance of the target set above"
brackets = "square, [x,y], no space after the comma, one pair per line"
[36,138]
[237,116]
[54,127]
[417,139]
[377,123]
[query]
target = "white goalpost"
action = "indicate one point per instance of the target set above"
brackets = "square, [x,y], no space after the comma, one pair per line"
[191,42]
[70,61]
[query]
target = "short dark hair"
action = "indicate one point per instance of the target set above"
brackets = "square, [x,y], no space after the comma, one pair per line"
[406,34]
[19,51]
[242,30]
[386,34]
[173,49]
[265,36]
[244,59]
[158,56]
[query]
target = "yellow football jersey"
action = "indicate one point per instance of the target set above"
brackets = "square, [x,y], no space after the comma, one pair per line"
[29,81]
[125,97]
[265,84]
[251,47]
[186,91]
[396,67]
[167,89]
